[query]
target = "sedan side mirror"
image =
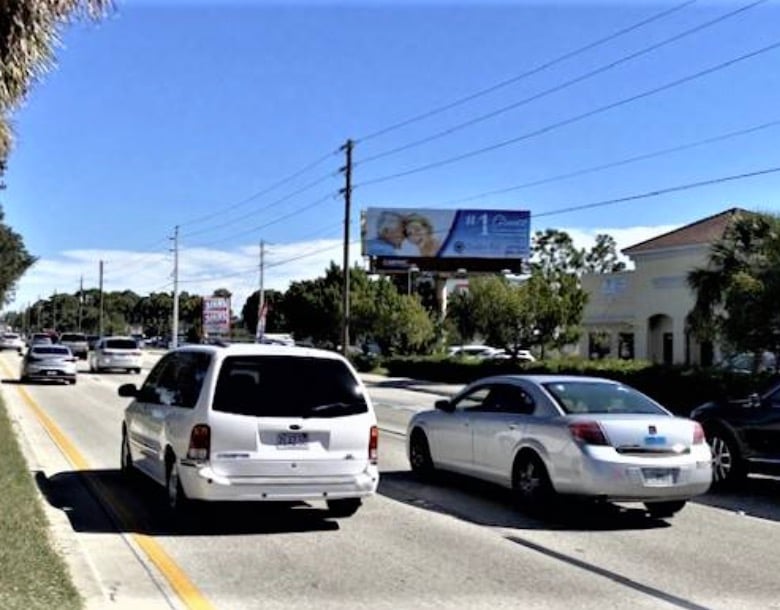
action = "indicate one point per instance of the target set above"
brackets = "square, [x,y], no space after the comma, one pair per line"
[128,390]
[444,405]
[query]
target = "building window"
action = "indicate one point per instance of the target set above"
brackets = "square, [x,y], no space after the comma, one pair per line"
[626,346]
[599,345]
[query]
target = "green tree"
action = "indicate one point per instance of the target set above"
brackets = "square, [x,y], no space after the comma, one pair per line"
[15,260]
[738,290]
[603,256]
[275,321]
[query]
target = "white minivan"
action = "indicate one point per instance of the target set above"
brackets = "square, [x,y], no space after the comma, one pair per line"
[253,422]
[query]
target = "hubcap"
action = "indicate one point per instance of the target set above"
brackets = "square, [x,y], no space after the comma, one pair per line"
[722,460]
[173,486]
[528,481]
[417,455]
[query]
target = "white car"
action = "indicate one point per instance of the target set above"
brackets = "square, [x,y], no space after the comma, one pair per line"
[116,353]
[253,422]
[50,363]
[543,435]
[11,341]
[474,351]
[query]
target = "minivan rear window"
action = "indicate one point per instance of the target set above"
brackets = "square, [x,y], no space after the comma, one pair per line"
[287,386]
[73,337]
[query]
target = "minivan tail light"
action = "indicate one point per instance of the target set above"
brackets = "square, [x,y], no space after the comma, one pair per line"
[200,442]
[588,432]
[373,445]
[698,434]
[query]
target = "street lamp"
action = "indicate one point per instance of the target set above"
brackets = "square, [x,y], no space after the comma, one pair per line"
[409,271]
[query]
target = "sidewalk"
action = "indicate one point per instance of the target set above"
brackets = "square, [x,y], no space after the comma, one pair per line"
[413,385]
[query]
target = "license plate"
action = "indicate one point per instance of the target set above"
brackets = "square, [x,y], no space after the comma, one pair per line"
[51,373]
[658,477]
[655,441]
[292,440]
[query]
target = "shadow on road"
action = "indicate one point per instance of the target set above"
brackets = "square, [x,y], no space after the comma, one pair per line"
[102,501]
[486,504]
[757,496]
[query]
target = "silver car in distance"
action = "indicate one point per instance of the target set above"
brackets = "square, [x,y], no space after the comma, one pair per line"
[542,435]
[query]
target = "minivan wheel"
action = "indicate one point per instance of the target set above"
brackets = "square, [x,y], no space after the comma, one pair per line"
[177,499]
[663,510]
[343,508]
[420,455]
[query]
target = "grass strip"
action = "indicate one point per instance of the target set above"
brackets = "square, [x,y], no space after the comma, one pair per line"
[32,574]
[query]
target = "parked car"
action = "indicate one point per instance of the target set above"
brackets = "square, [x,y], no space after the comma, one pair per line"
[744,435]
[542,435]
[77,342]
[236,423]
[11,341]
[474,351]
[116,353]
[49,362]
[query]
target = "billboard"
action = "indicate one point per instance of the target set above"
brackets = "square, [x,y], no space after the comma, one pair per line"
[410,233]
[216,316]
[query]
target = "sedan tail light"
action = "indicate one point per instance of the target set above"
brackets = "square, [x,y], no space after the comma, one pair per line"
[588,432]
[698,434]
[200,443]
[373,445]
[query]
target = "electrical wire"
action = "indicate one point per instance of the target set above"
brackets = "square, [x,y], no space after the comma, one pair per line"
[560,87]
[526,74]
[604,166]
[275,185]
[574,119]
[658,192]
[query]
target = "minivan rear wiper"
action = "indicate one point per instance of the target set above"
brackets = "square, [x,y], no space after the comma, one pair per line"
[347,408]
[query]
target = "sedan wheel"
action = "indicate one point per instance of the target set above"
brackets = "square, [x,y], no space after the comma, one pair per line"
[126,460]
[726,464]
[420,455]
[662,510]
[531,483]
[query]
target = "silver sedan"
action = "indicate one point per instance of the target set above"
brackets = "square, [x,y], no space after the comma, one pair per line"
[542,435]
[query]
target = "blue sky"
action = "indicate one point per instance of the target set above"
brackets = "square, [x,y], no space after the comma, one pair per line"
[177,113]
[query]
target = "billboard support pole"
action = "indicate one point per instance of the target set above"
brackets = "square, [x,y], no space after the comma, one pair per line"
[347,191]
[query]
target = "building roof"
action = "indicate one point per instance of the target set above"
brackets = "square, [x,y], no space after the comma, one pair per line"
[704,231]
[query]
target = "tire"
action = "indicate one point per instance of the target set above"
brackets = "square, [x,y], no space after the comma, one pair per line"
[420,455]
[72,381]
[125,460]
[343,508]
[728,468]
[178,502]
[664,510]
[531,484]
[137,371]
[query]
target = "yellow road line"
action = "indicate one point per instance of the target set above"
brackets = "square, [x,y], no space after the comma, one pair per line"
[175,576]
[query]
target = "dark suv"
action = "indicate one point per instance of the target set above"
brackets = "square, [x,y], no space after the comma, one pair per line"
[744,435]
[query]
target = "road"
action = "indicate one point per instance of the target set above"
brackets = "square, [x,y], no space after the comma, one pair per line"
[454,543]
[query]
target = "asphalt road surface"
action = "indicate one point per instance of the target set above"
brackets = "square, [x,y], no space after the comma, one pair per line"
[453,543]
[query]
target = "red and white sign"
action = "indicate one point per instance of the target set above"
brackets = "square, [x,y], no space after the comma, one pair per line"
[216,315]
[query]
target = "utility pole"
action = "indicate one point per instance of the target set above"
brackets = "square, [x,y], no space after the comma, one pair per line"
[347,191]
[81,298]
[54,312]
[175,321]
[260,329]
[100,316]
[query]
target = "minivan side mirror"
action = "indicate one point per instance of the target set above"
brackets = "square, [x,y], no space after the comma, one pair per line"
[128,390]
[444,405]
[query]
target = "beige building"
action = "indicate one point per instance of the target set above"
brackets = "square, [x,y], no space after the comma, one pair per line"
[642,313]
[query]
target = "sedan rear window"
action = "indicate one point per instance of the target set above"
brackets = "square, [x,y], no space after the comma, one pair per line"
[53,350]
[588,397]
[287,386]
[73,337]
[121,344]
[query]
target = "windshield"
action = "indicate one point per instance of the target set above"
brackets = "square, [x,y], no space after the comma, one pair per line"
[72,338]
[53,350]
[121,344]
[286,386]
[576,397]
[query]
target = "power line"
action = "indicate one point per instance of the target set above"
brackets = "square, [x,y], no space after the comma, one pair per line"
[526,74]
[254,229]
[574,119]
[657,192]
[597,168]
[262,192]
[560,87]
[264,208]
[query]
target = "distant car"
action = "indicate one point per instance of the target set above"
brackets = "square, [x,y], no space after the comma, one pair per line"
[474,351]
[744,435]
[744,362]
[542,435]
[116,353]
[39,339]
[522,355]
[11,341]
[253,422]
[92,341]
[77,342]
[48,362]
